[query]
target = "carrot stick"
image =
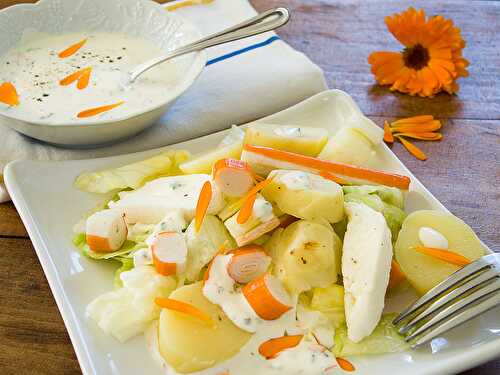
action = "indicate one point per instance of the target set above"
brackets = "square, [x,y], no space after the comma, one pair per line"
[383,178]
[345,365]
[202,205]
[396,276]
[412,149]
[332,177]
[72,49]
[388,137]
[445,255]
[82,76]
[271,348]
[184,308]
[424,136]
[97,110]
[414,120]
[8,94]
[249,200]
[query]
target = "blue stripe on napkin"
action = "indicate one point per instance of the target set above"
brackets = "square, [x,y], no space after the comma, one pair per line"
[243,50]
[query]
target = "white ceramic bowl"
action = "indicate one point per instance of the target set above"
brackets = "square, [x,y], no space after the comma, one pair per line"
[139,18]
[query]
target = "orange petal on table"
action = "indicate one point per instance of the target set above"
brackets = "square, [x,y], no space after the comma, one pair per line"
[72,49]
[412,149]
[97,110]
[271,348]
[249,200]
[8,94]
[425,136]
[184,308]
[444,255]
[345,365]
[417,127]
[414,120]
[202,205]
[396,276]
[388,137]
[332,177]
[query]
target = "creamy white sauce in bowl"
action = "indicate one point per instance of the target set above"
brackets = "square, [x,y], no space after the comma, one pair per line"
[137,32]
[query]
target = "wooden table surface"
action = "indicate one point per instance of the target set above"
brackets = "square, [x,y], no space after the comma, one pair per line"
[463,171]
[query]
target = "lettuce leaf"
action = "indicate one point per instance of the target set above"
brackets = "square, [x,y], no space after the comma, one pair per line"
[329,301]
[132,175]
[384,339]
[127,265]
[389,195]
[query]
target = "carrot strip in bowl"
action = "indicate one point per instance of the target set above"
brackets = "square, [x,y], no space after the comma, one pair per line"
[97,110]
[332,177]
[202,205]
[82,77]
[271,348]
[184,308]
[345,365]
[380,177]
[444,255]
[8,94]
[71,50]
[249,200]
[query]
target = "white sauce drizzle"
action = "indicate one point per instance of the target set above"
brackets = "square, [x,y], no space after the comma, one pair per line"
[296,180]
[432,238]
[288,131]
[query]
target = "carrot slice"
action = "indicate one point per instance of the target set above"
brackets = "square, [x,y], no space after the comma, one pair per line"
[384,178]
[249,200]
[97,110]
[412,149]
[444,255]
[345,365]
[202,205]
[271,348]
[388,137]
[82,76]
[332,177]
[415,119]
[72,49]
[396,276]
[8,94]
[184,308]
[424,136]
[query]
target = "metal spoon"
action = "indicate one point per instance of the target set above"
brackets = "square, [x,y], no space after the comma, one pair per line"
[261,23]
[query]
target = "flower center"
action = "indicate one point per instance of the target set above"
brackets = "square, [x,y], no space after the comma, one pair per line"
[416,57]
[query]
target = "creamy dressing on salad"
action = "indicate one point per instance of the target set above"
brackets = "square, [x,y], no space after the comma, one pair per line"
[296,180]
[432,238]
[288,131]
[35,69]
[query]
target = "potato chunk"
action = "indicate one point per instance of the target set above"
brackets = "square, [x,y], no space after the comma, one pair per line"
[348,146]
[189,344]
[423,271]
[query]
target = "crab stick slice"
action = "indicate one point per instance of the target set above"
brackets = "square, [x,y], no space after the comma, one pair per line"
[272,347]
[267,297]
[258,231]
[248,263]
[169,253]
[106,231]
[233,177]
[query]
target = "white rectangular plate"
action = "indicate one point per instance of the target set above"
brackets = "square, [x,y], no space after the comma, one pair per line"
[49,206]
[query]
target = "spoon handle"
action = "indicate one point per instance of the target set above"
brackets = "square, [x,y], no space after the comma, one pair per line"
[261,23]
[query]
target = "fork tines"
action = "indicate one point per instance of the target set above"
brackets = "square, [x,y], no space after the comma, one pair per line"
[467,293]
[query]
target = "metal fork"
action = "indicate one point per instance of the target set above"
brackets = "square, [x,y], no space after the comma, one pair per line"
[467,293]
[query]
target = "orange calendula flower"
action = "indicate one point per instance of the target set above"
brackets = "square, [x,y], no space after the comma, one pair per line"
[431,60]
[418,127]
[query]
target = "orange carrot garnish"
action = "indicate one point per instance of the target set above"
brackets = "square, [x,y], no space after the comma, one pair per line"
[95,111]
[383,178]
[184,308]
[202,205]
[345,365]
[388,137]
[8,94]
[444,255]
[332,177]
[412,149]
[396,276]
[424,136]
[271,348]
[249,200]
[72,49]
[82,76]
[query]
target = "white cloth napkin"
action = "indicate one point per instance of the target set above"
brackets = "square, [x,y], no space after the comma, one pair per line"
[235,90]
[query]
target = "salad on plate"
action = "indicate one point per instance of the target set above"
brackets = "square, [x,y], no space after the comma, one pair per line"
[277,252]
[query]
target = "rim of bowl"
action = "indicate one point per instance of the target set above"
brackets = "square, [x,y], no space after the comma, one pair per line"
[199,61]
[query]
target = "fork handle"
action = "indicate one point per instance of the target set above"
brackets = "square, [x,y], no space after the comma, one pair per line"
[261,23]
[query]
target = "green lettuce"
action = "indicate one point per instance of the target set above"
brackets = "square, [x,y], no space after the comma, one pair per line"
[389,195]
[329,301]
[126,265]
[384,339]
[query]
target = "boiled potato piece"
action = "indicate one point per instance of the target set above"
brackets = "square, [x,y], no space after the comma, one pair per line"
[305,195]
[301,140]
[189,344]
[306,255]
[423,271]
[204,163]
[348,146]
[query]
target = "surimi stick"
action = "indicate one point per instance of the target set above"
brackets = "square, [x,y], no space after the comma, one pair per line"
[267,297]
[248,263]
[106,231]
[272,347]
[169,252]
[233,177]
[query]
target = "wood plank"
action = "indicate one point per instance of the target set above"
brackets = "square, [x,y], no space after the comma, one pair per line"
[339,36]
[10,222]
